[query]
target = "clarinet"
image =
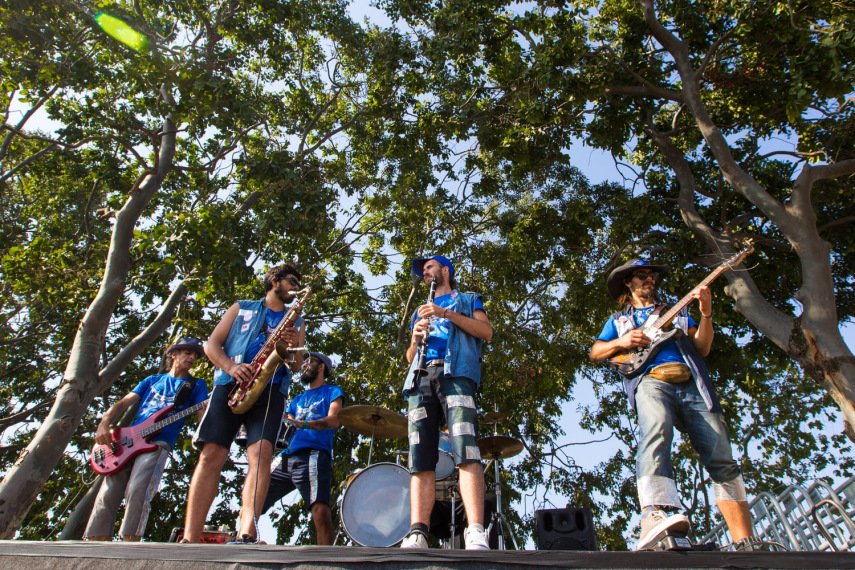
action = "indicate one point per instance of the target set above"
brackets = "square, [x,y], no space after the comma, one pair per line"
[421,370]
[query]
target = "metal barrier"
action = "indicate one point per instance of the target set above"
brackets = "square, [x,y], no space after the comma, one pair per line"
[814,518]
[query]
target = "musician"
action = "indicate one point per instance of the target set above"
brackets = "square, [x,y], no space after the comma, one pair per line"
[675,390]
[138,481]
[446,395]
[232,345]
[307,463]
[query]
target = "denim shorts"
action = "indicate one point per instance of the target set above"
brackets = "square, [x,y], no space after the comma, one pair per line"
[442,400]
[220,424]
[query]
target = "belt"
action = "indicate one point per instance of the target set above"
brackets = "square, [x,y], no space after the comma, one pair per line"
[435,363]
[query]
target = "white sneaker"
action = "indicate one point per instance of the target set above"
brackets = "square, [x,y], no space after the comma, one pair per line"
[475,538]
[414,540]
[657,522]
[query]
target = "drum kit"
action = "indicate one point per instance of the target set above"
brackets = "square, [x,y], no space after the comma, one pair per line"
[375,506]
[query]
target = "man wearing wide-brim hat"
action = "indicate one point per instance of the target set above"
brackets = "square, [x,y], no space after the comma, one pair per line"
[138,481]
[672,389]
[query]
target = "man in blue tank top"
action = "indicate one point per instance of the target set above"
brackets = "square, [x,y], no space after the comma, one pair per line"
[445,395]
[138,482]
[307,463]
[674,390]
[235,341]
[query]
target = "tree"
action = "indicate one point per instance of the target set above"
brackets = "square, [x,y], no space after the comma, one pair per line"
[197,151]
[693,98]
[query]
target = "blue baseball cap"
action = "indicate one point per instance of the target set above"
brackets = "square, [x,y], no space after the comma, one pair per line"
[326,360]
[418,265]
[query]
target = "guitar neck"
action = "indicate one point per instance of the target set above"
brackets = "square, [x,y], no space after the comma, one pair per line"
[156,427]
[666,319]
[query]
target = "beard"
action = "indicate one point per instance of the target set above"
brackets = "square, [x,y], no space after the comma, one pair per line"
[439,280]
[284,295]
[646,293]
[309,376]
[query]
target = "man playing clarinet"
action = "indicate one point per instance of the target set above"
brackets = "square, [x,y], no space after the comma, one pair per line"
[444,394]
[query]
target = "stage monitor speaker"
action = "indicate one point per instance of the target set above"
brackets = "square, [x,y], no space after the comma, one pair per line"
[565,529]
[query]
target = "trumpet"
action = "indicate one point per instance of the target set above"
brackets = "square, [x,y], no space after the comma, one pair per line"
[273,353]
[421,370]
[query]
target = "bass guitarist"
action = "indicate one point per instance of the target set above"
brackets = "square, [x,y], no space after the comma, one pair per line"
[139,480]
[674,390]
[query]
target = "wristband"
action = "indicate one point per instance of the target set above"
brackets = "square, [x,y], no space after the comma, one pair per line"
[706,316]
[305,424]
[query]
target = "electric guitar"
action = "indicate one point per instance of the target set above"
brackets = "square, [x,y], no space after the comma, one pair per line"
[630,363]
[131,441]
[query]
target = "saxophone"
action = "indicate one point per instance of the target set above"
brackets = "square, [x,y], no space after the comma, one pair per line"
[273,353]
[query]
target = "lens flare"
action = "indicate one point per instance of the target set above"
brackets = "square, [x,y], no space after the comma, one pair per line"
[122,32]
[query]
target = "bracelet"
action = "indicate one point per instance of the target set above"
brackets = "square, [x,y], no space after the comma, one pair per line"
[305,424]
[445,313]
[706,316]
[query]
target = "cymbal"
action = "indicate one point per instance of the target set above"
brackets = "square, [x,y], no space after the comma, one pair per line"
[367,420]
[499,446]
[494,417]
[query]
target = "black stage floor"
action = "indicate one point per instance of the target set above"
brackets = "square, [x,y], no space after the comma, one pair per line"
[24,555]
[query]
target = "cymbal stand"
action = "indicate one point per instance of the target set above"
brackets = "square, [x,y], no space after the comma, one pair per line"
[453,528]
[498,518]
[376,419]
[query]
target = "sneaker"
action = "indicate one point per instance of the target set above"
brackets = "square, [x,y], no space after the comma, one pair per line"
[752,544]
[244,539]
[656,522]
[475,538]
[414,540]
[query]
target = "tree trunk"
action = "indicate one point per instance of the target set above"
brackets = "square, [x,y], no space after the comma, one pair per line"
[814,338]
[81,383]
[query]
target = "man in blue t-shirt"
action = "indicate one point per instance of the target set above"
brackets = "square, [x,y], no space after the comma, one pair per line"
[307,462]
[139,480]
[673,390]
[443,393]
[233,344]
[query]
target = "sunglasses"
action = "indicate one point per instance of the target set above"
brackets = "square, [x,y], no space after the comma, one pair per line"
[643,275]
[292,280]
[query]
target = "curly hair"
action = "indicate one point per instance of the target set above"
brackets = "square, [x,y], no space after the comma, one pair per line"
[277,273]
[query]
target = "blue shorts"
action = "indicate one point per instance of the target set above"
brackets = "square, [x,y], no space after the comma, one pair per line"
[442,400]
[220,424]
[309,471]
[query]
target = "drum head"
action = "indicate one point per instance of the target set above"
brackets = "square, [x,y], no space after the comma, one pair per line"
[445,459]
[375,509]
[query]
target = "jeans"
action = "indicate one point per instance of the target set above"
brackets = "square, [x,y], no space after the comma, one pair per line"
[661,407]
[137,484]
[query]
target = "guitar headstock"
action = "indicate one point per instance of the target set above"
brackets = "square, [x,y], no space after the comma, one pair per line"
[737,259]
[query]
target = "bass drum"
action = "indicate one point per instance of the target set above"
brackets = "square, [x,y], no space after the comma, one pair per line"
[445,458]
[375,507]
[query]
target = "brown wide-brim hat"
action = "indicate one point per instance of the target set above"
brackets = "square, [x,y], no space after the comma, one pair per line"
[618,275]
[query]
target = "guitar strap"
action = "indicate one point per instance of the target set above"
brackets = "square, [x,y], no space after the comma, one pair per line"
[184,392]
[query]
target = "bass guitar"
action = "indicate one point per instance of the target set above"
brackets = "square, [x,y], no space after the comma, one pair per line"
[631,363]
[131,441]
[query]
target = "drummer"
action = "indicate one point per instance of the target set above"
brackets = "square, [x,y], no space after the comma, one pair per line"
[307,463]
